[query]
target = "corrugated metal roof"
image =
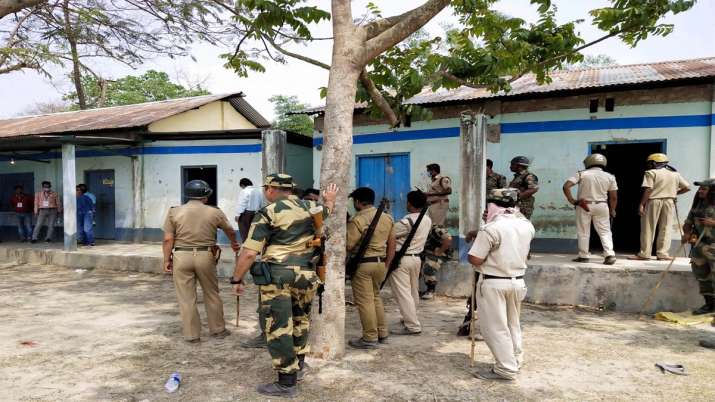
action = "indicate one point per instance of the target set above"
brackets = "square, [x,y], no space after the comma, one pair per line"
[581,79]
[118,117]
[243,107]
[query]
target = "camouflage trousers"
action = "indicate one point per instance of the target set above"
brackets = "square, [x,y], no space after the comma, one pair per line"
[285,308]
[703,265]
[430,268]
[526,207]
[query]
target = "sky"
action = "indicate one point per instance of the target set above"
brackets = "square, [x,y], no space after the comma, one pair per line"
[693,37]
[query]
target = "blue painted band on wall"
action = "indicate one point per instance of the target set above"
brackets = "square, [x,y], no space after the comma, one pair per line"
[701,120]
[163,150]
[621,123]
[426,134]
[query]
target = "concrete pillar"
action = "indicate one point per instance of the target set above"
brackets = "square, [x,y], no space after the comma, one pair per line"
[138,200]
[711,169]
[273,151]
[472,168]
[69,196]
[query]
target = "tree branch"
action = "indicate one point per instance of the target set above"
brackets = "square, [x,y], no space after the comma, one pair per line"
[379,100]
[409,23]
[296,55]
[377,27]
[13,6]
[15,67]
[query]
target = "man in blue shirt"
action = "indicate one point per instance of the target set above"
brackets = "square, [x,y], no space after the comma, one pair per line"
[85,217]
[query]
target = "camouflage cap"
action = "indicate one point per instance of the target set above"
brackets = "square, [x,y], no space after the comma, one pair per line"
[507,196]
[279,180]
[706,183]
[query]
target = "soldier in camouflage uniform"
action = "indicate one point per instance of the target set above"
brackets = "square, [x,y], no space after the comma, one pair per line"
[494,179]
[287,282]
[701,222]
[526,182]
[436,252]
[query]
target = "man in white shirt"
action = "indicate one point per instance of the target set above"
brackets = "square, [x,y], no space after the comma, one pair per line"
[596,201]
[250,200]
[499,254]
[404,281]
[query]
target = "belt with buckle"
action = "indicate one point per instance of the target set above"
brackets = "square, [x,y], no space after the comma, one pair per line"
[372,259]
[502,277]
[199,248]
[596,202]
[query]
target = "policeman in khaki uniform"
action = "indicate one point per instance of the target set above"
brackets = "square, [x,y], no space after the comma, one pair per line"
[286,281]
[372,269]
[190,230]
[596,201]
[526,182]
[499,253]
[661,186]
[438,195]
[405,280]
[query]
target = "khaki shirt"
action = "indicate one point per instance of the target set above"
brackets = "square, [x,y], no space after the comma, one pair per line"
[403,227]
[664,183]
[194,224]
[504,243]
[440,185]
[359,224]
[594,184]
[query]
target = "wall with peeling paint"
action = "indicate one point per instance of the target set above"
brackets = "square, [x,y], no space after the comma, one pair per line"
[162,177]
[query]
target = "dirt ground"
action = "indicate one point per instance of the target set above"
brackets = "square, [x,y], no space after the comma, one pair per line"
[103,335]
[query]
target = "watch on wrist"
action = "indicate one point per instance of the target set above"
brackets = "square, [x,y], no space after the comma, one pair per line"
[233,281]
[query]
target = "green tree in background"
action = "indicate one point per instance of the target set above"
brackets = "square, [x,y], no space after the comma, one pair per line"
[283,105]
[149,87]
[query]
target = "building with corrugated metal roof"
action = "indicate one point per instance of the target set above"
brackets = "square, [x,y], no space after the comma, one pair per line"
[137,158]
[623,112]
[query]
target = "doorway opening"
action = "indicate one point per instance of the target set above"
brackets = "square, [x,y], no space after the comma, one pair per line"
[626,161]
[205,173]
[101,184]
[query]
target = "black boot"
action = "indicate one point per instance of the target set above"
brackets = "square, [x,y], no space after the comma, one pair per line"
[285,386]
[257,342]
[429,294]
[706,308]
[304,367]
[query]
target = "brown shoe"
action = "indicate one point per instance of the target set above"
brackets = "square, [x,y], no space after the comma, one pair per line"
[638,258]
[222,334]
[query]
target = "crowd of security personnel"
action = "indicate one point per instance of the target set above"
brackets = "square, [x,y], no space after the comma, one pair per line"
[281,250]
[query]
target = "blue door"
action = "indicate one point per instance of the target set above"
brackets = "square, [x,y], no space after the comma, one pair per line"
[389,176]
[101,184]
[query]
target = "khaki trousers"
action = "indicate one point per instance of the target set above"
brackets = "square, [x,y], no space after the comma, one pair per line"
[438,212]
[188,267]
[658,213]
[404,282]
[498,308]
[601,219]
[366,296]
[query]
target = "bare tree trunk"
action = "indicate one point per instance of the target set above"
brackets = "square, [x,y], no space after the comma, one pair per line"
[103,84]
[76,71]
[328,334]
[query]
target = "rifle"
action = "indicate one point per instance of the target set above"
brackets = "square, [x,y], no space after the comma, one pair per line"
[318,242]
[395,263]
[353,262]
